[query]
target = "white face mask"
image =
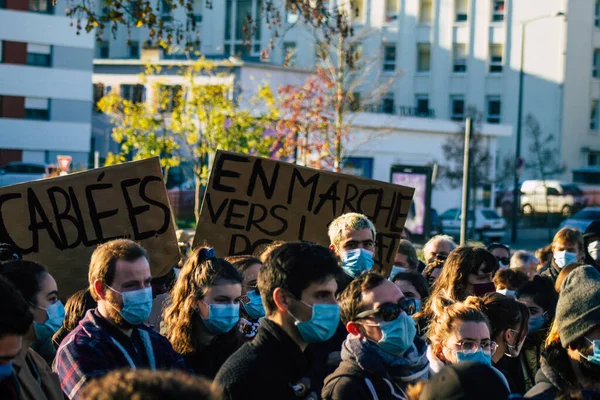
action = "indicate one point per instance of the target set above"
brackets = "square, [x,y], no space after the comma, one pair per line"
[594,249]
[564,258]
[507,292]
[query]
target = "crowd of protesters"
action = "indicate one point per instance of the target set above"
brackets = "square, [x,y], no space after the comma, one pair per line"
[301,321]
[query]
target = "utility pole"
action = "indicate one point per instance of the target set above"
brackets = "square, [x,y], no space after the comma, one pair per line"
[464,222]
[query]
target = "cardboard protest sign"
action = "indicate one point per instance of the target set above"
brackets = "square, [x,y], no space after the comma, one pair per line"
[58,222]
[253,201]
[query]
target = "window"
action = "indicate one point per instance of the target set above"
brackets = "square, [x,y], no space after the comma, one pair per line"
[594,160]
[37,108]
[387,103]
[493,109]
[289,52]
[39,55]
[496,58]
[597,21]
[457,108]
[450,214]
[41,6]
[426,11]
[355,102]
[594,116]
[242,25]
[392,8]
[165,11]
[358,10]
[168,96]
[98,90]
[423,57]
[356,52]
[596,66]
[461,10]
[459,52]
[103,50]
[422,105]
[134,50]
[389,57]
[134,93]
[498,10]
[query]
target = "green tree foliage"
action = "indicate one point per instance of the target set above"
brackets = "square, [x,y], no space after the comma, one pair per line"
[191,121]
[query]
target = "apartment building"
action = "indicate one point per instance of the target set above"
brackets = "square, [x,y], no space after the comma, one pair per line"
[449,55]
[45,84]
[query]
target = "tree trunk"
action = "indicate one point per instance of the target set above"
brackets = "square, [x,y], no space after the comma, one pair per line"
[197,199]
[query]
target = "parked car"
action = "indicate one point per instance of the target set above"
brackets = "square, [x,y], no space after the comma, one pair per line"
[489,226]
[582,219]
[18,172]
[563,198]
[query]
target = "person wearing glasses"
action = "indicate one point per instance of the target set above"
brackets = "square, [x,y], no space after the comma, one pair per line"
[459,332]
[501,252]
[252,309]
[382,354]
[204,311]
[571,357]
[352,239]
[509,320]
[540,298]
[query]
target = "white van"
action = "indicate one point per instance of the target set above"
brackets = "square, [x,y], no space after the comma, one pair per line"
[563,198]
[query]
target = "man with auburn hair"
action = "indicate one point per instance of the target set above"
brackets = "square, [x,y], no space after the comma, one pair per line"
[382,354]
[352,239]
[297,285]
[113,335]
[567,248]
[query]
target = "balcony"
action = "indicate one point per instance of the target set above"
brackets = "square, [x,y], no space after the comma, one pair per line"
[403,111]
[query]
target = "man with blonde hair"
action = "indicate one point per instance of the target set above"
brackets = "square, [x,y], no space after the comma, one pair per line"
[352,238]
[567,248]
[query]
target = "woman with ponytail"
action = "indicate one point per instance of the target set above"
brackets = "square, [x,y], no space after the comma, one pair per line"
[200,321]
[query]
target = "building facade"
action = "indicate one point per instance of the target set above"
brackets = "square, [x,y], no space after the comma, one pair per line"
[45,84]
[450,55]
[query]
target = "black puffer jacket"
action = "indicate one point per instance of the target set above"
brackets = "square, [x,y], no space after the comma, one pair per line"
[555,375]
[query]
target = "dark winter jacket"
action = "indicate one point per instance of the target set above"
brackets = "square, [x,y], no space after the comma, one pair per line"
[268,367]
[207,360]
[367,372]
[592,230]
[555,375]
[551,271]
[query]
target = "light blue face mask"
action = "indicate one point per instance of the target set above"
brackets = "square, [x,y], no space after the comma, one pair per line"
[478,356]
[137,305]
[506,292]
[5,370]
[357,261]
[255,307]
[396,270]
[56,316]
[594,358]
[563,258]
[536,323]
[322,325]
[397,335]
[222,317]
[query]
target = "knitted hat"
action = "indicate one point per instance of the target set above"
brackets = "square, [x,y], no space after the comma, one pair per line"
[578,308]
[466,381]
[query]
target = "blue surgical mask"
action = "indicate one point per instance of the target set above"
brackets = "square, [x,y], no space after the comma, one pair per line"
[222,317]
[357,261]
[536,323]
[322,325]
[506,292]
[563,258]
[395,271]
[255,307]
[56,316]
[137,305]
[397,335]
[6,370]
[478,356]
[594,250]
[594,358]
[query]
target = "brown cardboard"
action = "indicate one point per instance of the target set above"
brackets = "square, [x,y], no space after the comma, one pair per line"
[59,221]
[252,201]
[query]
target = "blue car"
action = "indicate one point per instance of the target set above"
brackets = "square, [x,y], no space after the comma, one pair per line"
[582,219]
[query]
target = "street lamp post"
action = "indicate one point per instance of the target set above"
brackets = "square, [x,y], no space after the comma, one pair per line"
[516,201]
